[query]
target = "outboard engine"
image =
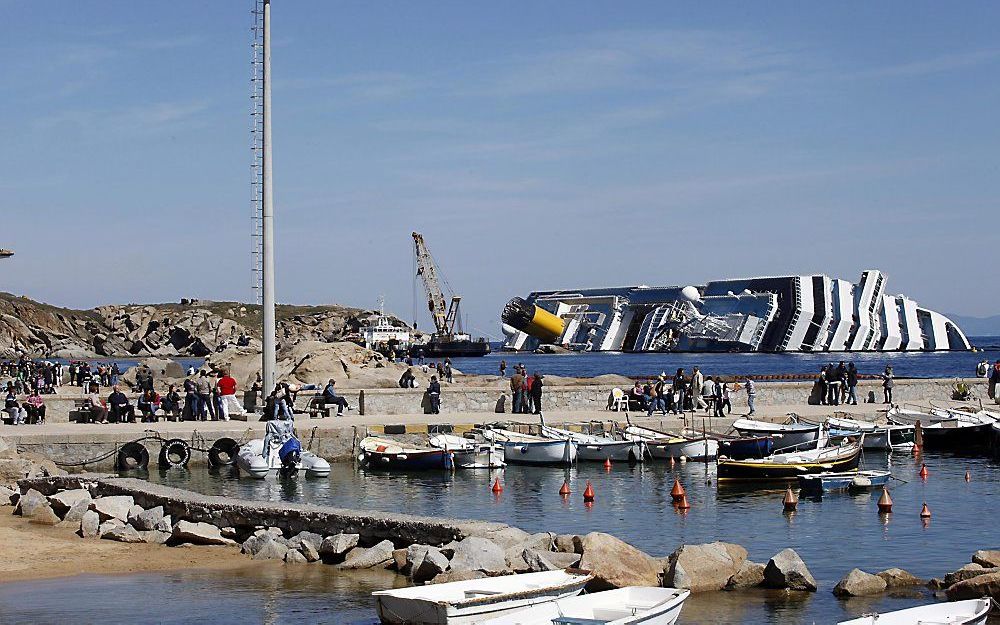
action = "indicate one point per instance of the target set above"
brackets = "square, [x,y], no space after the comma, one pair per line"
[290,455]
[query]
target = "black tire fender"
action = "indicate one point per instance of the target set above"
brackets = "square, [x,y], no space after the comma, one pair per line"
[223,453]
[132,456]
[174,453]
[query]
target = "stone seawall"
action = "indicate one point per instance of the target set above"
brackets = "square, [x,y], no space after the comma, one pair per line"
[496,399]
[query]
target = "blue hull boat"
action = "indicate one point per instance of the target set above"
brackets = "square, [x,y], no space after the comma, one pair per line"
[819,483]
[750,447]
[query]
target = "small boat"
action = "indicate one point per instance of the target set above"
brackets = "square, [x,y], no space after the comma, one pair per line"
[251,461]
[786,435]
[470,454]
[385,455]
[906,416]
[848,480]
[962,432]
[622,606]
[969,612]
[884,437]
[476,600]
[592,448]
[527,449]
[789,466]
[746,447]
[689,444]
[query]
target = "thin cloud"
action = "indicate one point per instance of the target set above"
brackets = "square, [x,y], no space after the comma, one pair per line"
[935,65]
[152,117]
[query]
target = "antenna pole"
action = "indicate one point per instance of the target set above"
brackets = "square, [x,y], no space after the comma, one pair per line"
[268,364]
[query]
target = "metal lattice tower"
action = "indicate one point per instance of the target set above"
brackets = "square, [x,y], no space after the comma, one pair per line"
[257,150]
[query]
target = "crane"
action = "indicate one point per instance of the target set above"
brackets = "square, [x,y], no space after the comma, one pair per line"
[446,316]
[5,253]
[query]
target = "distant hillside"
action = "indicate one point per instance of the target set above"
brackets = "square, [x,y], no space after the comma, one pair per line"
[188,328]
[978,326]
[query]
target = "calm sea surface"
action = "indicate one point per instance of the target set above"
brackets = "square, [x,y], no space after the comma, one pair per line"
[833,535]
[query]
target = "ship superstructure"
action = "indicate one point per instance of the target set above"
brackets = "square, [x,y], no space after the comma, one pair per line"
[805,313]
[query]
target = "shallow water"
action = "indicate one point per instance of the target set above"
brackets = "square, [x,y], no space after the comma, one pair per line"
[833,535]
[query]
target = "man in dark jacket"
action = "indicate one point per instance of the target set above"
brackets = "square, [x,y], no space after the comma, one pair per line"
[994,392]
[852,384]
[119,408]
[536,393]
[434,394]
[517,392]
[330,397]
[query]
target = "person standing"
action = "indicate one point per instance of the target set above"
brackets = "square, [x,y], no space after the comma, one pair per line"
[658,396]
[434,395]
[115,373]
[852,384]
[751,396]
[697,382]
[447,371]
[503,368]
[721,396]
[536,393]
[203,393]
[824,385]
[680,386]
[994,391]
[516,392]
[888,381]
[227,394]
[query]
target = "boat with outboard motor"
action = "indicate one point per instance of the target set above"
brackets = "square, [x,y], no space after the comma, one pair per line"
[819,483]
[521,448]
[968,612]
[382,454]
[591,448]
[790,465]
[476,600]
[963,431]
[884,437]
[469,453]
[790,435]
[689,444]
[630,605]
[289,458]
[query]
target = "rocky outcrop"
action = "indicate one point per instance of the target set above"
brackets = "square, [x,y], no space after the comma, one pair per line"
[750,575]
[479,554]
[857,583]
[362,558]
[987,585]
[966,572]
[616,564]
[987,558]
[199,534]
[787,570]
[898,578]
[699,568]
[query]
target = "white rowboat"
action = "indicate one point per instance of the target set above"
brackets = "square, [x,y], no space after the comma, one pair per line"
[786,435]
[623,606]
[597,448]
[476,600]
[527,449]
[470,454]
[969,612]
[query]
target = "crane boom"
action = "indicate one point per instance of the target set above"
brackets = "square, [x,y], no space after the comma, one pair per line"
[443,314]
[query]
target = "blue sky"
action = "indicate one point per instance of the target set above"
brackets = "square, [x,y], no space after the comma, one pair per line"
[536,145]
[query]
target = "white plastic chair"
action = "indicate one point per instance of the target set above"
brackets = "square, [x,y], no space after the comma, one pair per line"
[619,400]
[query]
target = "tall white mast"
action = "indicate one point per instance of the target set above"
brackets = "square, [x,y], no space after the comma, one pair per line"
[267,220]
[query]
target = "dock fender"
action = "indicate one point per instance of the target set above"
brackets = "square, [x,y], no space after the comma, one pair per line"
[174,453]
[132,456]
[223,453]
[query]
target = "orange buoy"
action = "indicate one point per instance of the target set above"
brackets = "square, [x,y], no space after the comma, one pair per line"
[923,472]
[968,476]
[588,493]
[885,502]
[677,492]
[497,487]
[790,501]
[564,490]
[683,503]
[925,512]
[607,463]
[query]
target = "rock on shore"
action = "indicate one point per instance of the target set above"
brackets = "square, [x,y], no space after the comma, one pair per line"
[787,570]
[704,567]
[857,583]
[616,564]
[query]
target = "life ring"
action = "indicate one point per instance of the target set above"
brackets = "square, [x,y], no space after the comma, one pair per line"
[223,453]
[132,456]
[174,453]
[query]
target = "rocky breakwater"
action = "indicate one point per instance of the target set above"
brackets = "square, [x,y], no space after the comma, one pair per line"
[15,466]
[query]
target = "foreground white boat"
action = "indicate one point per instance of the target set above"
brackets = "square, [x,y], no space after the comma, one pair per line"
[527,449]
[786,435]
[597,448]
[470,454]
[623,606]
[476,600]
[251,461]
[689,444]
[970,612]
[884,437]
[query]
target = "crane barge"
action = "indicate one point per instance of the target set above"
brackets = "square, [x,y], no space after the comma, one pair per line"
[448,338]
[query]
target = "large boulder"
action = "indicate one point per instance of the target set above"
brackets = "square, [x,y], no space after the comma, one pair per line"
[312,538]
[750,575]
[62,502]
[7,495]
[538,561]
[987,585]
[377,555]
[155,537]
[787,570]
[115,507]
[616,564]
[857,583]
[334,548]
[147,520]
[199,534]
[294,556]
[309,551]
[124,534]
[569,543]
[75,514]
[425,562]
[90,524]
[479,554]
[30,503]
[700,568]
[898,578]
[264,547]
[457,576]
[987,558]
[45,515]
[967,572]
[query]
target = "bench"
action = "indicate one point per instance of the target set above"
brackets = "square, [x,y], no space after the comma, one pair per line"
[80,412]
[315,407]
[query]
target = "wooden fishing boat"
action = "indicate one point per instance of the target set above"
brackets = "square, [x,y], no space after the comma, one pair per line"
[746,447]
[909,416]
[468,453]
[969,612]
[789,466]
[883,437]
[786,435]
[963,432]
[527,449]
[826,482]
[385,455]
[592,448]
[689,444]
[623,606]
[476,600]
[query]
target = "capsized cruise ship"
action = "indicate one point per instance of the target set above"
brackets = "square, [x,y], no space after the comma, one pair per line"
[811,313]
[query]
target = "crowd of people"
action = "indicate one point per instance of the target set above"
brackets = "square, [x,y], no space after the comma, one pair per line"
[682,393]
[525,390]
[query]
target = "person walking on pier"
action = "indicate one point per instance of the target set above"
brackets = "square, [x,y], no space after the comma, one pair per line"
[721,392]
[657,396]
[697,382]
[751,396]
[888,381]
[503,368]
[434,395]
[536,393]
[852,384]
[680,388]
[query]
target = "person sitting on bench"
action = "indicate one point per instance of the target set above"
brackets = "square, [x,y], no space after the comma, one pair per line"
[98,413]
[148,404]
[121,410]
[330,397]
[35,406]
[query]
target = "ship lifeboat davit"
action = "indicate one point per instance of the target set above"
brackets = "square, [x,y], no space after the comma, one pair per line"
[532,320]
